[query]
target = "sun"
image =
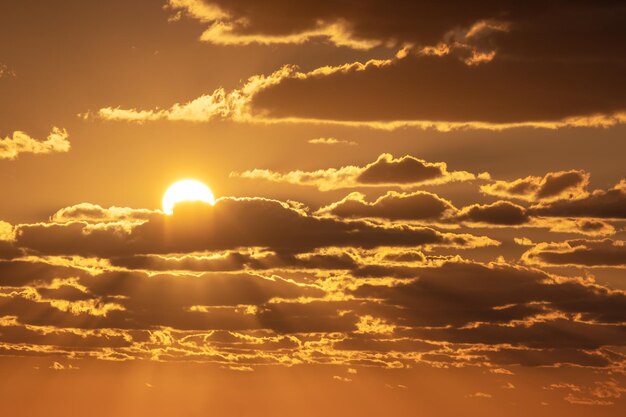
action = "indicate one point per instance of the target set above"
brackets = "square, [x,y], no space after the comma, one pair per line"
[186,190]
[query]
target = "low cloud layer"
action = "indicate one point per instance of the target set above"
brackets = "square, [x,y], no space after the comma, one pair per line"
[232,223]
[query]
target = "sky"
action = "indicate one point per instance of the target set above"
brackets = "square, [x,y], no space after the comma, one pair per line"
[415,208]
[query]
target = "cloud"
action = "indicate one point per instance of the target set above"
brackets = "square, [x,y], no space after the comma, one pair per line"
[220,104]
[479,395]
[588,227]
[350,95]
[427,207]
[445,93]
[511,26]
[459,312]
[60,367]
[20,273]
[489,54]
[481,68]
[93,213]
[406,171]
[330,141]
[560,336]
[136,300]
[20,142]
[490,294]
[552,186]
[419,205]
[230,224]
[237,261]
[225,28]
[606,253]
[500,213]
[5,71]
[608,204]
[601,393]
[7,250]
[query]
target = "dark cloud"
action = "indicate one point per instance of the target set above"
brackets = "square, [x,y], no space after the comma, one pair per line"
[236,261]
[546,356]
[137,311]
[500,213]
[22,273]
[510,62]
[552,186]
[582,252]
[553,334]
[141,291]
[366,342]
[313,317]
[403,170]
[8,251]
[406,171]
[445,89]
[232,223]
[419,205]
[135,300]
[536,28]
[600,204]
[461,293]
[16,334]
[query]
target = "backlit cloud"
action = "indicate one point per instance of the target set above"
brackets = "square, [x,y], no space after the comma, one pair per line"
[230,224]
[12,146]
[609,204]
[552,186]
[419,205]
[406,171]
[606,253]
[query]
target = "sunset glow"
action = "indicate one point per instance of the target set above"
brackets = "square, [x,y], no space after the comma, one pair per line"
[313,208]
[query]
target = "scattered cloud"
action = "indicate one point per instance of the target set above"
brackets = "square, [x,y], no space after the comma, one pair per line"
[5,71]
[60,367]
[12,146]
[419,205]
[386,171]
[479,395]
[500,213]
[601,393]
[607,204]
[552,186]
[330,141]
[605,253]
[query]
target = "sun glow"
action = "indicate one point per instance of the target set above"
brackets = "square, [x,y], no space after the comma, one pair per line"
[186,190]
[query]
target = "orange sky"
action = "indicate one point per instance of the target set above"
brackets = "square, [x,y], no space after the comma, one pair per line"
[420,208]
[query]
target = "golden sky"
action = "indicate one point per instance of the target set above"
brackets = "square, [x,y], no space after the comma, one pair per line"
[413,208]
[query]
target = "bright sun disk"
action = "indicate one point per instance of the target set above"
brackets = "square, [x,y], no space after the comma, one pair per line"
[186,190]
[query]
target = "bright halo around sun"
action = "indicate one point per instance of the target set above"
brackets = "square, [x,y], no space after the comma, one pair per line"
[186,190]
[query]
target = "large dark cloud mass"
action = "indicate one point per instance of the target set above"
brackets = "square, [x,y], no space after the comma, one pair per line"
[445,89]
[584,28]
[504,62]
[232,223]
